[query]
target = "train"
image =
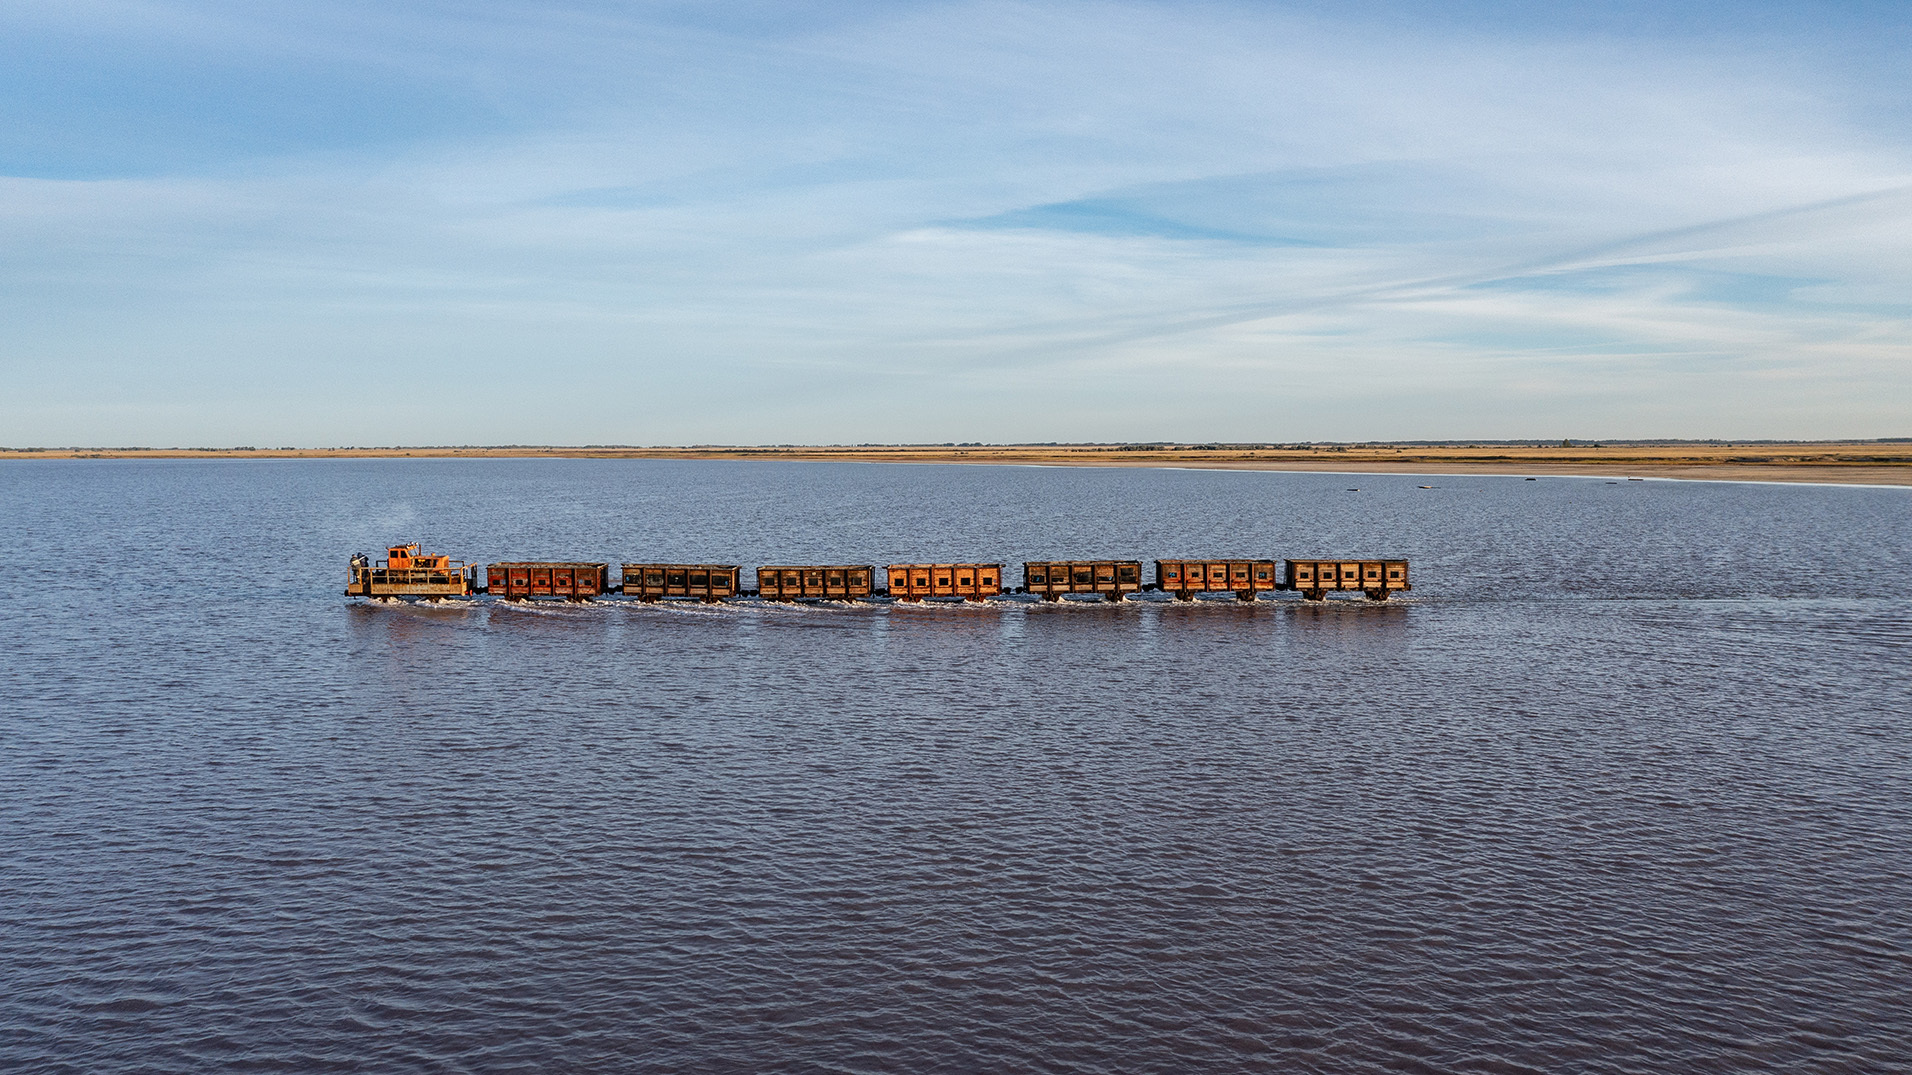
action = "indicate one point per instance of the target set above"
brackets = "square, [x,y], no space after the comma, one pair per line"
[406,572]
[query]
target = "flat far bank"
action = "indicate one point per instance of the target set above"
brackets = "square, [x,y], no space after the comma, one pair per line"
[1842,462]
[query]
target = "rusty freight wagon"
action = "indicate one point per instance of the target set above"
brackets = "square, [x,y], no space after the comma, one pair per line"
[1376,578]
[705,582]
[1110,578]
[572,581]
[405,572]
[841,582]
[1243,578]
[971,582]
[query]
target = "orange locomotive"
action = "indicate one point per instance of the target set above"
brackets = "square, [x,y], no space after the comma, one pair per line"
[405,572]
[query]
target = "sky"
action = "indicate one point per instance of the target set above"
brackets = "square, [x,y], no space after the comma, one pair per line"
[376,223]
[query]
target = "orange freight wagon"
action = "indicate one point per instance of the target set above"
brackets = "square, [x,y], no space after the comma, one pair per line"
[1376,578]
[1053,578]
[1243,578]
[706,582]
[516,581]
[405,572]
[844,582]
[971,582]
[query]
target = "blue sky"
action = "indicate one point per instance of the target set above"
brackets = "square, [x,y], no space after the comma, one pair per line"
[376,223]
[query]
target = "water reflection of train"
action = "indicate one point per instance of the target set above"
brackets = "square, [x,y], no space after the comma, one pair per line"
[406,572]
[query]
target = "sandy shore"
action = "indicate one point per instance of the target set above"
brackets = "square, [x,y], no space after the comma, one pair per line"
[1857,462]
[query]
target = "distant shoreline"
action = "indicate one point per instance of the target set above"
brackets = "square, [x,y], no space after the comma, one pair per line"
[1836,462]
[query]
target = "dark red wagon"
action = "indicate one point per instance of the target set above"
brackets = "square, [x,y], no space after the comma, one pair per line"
[1376,578]
[547,578]
[705,582]
[833,582]
[1243,578]
[971,582]
[1111,578]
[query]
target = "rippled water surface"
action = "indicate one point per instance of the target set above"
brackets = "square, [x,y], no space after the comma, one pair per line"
[1625,785]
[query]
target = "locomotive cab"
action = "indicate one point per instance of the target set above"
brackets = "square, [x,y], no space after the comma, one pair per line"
[408,558]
